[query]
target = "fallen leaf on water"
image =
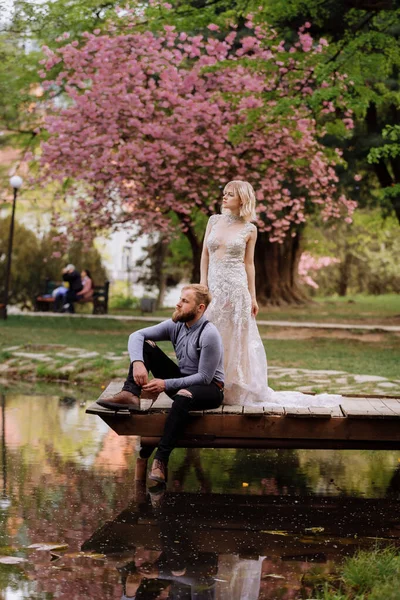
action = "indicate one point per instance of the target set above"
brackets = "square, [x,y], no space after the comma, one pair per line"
[275,532]
[314,529]
[44,546]
[11,560]
[245,484]
[273,576]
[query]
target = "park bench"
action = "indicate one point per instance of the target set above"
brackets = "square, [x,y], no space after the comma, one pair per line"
[356,423]
[45,302]
[148,305]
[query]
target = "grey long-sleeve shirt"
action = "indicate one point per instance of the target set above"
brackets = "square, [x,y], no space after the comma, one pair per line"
[197,367]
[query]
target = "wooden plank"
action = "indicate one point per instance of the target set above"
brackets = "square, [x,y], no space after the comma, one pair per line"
[320,412]
[394,405]
[336,412]
[360,409]
[229,409]
[301,412]
[215,411]
[274,410]
[162,403]
[295,431]
[253,411]
[385,411]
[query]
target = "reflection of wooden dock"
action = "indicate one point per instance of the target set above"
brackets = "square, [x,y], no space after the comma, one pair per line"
[290,527]
[359,423]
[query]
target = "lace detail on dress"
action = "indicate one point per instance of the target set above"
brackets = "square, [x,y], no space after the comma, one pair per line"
[245,361]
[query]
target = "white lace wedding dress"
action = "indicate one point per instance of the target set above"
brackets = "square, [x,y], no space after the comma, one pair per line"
[245,360]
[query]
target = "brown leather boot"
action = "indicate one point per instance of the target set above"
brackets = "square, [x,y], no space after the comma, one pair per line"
[158,471]
[124,400]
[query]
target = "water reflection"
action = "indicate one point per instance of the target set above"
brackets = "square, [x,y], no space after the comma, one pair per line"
[232,524]
[217,546]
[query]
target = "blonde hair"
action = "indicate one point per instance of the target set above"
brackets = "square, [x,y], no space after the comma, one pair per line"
[247,198]
[201,292]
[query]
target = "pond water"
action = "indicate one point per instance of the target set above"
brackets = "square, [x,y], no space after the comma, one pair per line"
[233,524]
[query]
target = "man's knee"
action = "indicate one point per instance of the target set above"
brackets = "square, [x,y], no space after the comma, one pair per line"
[185,393]
[148,347]
[183,401]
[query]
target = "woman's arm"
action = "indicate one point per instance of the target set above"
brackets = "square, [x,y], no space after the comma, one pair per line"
[250,270]
[205,258]
[87,287]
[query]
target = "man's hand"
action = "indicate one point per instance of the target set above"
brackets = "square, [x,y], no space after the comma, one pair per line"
[149,570]
[155,386]
[140,374]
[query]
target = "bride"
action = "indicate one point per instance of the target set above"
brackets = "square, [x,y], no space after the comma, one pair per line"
[227,268]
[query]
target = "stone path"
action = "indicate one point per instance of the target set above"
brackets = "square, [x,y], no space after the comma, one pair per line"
[79,364]
[155,319]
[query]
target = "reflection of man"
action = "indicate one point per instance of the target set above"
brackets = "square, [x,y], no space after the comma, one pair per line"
[180,571]
[195,383]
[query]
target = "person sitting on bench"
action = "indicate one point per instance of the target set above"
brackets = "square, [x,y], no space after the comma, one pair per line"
[86,292]
[73,277]
[195,383]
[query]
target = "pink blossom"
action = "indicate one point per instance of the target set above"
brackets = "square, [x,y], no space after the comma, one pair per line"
[309,263]
[150,136]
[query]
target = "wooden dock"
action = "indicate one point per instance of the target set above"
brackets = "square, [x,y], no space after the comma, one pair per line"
[356,423]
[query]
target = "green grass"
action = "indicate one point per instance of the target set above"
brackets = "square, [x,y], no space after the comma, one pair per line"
[357,308]
[371,575]
[100,335]
[104,335]
[352,356]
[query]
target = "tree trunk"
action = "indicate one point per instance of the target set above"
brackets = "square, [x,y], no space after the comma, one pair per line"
[276,271]
[345,274]
[196,247]
[161,251]
[162,288]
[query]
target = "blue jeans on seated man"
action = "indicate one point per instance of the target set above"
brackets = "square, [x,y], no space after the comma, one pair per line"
[202,397]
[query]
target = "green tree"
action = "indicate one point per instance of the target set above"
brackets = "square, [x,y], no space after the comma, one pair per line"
[367,249]
[33,262]
[364,45]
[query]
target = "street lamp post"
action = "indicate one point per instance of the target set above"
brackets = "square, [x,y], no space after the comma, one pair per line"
[15,183]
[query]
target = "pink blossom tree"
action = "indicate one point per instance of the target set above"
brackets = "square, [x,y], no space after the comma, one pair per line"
[157,124]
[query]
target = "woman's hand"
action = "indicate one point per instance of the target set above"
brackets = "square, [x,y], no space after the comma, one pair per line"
[254,307]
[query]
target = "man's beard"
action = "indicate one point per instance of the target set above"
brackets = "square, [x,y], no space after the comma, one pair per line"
[178,317]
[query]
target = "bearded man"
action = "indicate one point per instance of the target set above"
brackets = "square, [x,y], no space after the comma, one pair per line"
[195,383]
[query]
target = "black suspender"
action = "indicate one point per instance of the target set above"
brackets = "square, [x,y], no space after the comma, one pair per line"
[198,337]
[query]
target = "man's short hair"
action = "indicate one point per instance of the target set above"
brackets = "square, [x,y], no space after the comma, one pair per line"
[201,292]
[70,267]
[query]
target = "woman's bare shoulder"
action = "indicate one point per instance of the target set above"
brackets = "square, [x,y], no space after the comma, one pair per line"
[213,219]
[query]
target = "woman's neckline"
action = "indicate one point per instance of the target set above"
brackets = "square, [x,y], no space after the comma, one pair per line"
[230,219]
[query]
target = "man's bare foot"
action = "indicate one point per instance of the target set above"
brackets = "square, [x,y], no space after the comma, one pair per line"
[124,400]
